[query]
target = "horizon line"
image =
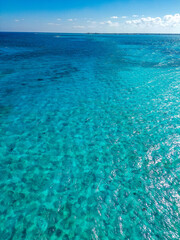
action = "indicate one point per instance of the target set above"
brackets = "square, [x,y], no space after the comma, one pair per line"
[4,31]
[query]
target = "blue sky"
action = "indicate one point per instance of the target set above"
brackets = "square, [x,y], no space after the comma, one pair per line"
[131,16]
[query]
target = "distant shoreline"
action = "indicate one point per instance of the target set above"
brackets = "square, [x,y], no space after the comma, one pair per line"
[88,33]
[137,33]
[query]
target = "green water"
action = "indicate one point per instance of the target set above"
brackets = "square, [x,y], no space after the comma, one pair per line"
[89,137]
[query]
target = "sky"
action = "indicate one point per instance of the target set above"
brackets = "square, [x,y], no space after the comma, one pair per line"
[82,16]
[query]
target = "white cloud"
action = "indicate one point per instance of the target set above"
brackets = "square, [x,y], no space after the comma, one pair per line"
[135,16]
[147,21]
[172,20]
[59,19]
[110,23]
[18,20]
[124,16]
[114,17]
[166,21]
[70,19]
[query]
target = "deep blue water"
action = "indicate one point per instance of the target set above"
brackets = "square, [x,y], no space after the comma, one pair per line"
[89,136]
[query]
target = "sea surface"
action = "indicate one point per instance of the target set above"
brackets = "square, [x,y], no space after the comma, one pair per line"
[89,136]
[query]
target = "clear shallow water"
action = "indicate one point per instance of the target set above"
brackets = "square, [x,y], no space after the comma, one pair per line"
[89,136]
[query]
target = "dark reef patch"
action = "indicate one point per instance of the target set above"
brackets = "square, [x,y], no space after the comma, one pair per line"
[4,110]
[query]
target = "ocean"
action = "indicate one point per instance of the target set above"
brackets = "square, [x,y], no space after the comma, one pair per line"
[89,136]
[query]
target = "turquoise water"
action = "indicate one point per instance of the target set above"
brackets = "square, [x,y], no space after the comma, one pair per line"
[89,136]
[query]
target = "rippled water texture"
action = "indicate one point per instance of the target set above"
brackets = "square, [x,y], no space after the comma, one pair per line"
[89,137]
